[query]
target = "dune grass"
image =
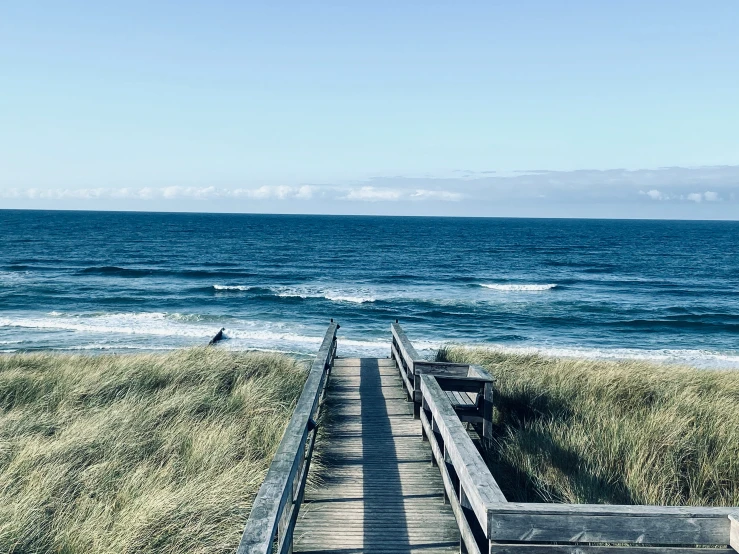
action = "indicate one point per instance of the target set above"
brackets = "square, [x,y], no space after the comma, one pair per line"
[585,431]
[137,453]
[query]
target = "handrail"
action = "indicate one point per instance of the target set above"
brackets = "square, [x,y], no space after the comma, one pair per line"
[489,523]
[476,482]
[276,506]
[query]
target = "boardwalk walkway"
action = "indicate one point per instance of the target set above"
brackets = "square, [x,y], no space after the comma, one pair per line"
[380,493]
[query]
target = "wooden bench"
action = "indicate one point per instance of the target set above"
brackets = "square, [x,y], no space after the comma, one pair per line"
[468,387]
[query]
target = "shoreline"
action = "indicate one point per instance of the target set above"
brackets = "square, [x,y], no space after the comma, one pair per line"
[696,359]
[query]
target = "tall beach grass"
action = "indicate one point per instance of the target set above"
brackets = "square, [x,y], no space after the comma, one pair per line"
[137,453]
[631,432]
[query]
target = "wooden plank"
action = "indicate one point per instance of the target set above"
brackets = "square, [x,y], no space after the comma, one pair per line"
[619,528]
[276,489]
[460,384]
[405,347]
[734,531]
[442,369]
[536,508]
[497,548]
[401,370]
[487,413]
[480,373]
[474,475]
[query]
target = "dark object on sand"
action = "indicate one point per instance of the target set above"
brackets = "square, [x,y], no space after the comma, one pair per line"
[218,337]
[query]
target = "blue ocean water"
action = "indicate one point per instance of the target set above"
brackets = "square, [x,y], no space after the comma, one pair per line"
[660,290]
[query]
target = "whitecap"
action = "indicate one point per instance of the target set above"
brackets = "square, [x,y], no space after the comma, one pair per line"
[231,287]
[518,287]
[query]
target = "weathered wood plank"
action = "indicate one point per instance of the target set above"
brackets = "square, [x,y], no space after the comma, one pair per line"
[442,369]
[402,372]
[613,529]
[406,349]
[497,548]
[541,508]
[460,384]
[734,531]
[479,373]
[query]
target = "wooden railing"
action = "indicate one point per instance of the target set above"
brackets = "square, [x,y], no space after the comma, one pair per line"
[488,523]
[278,501]
[468,387]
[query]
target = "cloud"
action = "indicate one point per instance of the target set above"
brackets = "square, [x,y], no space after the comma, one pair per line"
[422,194]
[372,194]
[697,197]
[654,194]
[664,190]
[166,193]
[708,196]
[380,194]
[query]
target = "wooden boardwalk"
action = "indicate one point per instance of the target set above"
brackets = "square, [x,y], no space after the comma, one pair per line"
[380,492]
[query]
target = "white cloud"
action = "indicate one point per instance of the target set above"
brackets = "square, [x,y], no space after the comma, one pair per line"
[655,194]
[372,194]
[167,193]
[423,194]
[695,197]
[711,196]
[306,191]
[377,194]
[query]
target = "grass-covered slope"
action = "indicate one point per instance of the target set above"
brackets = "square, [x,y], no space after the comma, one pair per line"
[631,432]
[137,453]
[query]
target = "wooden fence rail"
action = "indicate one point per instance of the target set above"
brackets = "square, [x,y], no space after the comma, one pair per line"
[275,509]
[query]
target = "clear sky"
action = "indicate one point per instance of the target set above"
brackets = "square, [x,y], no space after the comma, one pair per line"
[541,108]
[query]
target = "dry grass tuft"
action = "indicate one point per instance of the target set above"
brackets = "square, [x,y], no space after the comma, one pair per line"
[585,431]
[137,453]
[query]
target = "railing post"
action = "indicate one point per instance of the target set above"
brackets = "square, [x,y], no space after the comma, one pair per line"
[487,414]
[283,529]
[466,506]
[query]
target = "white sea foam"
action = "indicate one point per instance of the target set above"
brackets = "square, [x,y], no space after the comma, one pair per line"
[518,288]
[145,323]
[162,331]
[705,359]
[353,296]
[232,287]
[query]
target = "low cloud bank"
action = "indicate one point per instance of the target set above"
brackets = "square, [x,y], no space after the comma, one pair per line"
[704,192]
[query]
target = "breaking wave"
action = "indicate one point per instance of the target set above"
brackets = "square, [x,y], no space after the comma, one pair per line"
[518,288]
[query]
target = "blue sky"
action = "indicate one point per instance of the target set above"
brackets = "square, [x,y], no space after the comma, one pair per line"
[604,109]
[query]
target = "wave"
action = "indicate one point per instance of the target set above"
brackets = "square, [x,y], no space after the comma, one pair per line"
[517,287]
[231,287]
[354,297]
[703,359]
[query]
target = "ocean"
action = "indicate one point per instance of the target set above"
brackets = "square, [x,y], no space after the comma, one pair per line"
[666,291]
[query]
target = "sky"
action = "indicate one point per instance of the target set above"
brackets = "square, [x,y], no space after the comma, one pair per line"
[531,108]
